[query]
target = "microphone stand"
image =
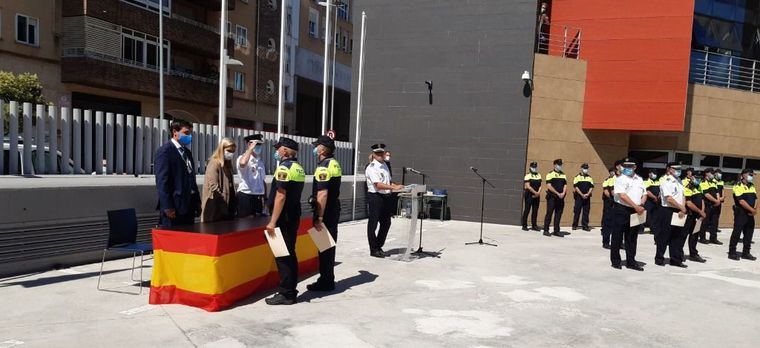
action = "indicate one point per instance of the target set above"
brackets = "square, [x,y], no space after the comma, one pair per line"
[419,250]
[482,208]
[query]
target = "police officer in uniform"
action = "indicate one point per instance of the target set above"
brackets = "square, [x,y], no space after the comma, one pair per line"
[745,209]
[719,182]
[325,194]
[629,197]
[285,207]
[672,203]
[379,187]
[583,185]
[652,185]
[531,197]
[709,187]
[607,195]
[556,189]
[696,206]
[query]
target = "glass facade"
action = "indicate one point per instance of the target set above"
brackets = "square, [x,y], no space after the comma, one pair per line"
[728,27]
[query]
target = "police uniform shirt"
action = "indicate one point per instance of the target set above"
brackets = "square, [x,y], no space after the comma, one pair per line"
[633,187]
[327,176]
[583,182]
[671,187]
[695,195]
[709,186]
[377,172]
[653,186]
[289,176]
[719,184]
[746,192]
[534,180]
[558,180]
[608,185]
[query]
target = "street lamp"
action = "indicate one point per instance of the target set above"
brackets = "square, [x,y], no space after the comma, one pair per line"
[328,37]
[224,61]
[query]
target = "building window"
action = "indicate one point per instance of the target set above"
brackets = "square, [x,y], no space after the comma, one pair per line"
[286,91]
[345,42]
[313,23]
[733,162]
[241,36]
[337,40]
[141,49]
[289,21]
[27,30]
[239,81]
[150,4]
[287,59]
[343,10]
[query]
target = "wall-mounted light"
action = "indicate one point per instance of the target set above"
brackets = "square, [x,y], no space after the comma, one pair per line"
[430,91]
[526,78]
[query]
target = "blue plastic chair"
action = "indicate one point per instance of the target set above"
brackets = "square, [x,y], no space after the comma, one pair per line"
[122,237]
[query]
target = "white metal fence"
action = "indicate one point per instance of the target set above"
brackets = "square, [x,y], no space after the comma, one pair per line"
[558,40]
[75,141]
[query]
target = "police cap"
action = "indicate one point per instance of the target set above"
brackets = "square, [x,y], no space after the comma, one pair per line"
[747,170]
[558,161]
[629,161]
[709,170]
[325,141]
[584,166]
[378,148]
[286,142]
[674,165]
[533,164]
[258,138]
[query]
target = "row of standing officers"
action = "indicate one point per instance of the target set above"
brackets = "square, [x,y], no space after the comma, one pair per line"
[667,201]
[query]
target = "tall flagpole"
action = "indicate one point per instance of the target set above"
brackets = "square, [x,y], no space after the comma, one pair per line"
[161,66]
[281,102]
[222,68]
[332,81]
[360,93]
[325,75]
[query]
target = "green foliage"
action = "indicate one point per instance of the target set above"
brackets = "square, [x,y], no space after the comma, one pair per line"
[23,88]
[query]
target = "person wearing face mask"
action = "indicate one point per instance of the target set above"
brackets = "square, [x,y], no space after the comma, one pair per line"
[629,196]
[695,203]
[379,199]
[720,184]
[652,185]
[745,209]
[285,206]
[219,201]
[325,194]
[556,190]
[672,202]
[252,188]
[531,197]
[583,185]
[608,203]
[178,195]
[709,188]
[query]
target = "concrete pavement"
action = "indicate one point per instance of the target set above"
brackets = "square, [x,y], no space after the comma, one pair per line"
[530,290]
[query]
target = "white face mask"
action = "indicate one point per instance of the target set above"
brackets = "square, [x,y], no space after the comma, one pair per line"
[229,155]
[584,170]
[387,158]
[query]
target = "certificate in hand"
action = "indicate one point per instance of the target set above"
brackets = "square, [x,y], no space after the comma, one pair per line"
[277,243]
[637,219]
[697,226]
[321,237]
[677,221]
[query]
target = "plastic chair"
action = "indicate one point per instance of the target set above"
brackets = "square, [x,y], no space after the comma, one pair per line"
[122,237]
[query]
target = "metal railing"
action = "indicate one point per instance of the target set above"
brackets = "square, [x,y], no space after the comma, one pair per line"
[558,40]
[722,70]
[82,52]
[76,141]
[195,23]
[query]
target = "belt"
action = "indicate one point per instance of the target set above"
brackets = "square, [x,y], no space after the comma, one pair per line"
[624,206]
[379,194]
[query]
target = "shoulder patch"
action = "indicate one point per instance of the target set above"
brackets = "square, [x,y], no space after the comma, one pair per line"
[282,174]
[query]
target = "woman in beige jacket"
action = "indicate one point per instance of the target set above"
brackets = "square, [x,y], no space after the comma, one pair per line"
[219,202]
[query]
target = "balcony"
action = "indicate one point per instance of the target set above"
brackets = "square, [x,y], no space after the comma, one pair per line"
[722,70]
[94,69]
[558,40]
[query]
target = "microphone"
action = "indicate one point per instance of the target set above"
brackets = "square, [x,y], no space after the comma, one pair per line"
[474,169]
[415,171]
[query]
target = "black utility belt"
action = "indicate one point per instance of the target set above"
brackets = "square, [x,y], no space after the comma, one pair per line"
[624,207]
[379,194]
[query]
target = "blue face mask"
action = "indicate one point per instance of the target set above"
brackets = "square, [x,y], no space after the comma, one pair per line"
[677,174]
[750,178]
[257,149]
[628,171]
[277,156]
[718,176]
[185,139]
[315,151]
[558,168]
[696,181]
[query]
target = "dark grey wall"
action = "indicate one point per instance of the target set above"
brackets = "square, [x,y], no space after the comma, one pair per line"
[475,53]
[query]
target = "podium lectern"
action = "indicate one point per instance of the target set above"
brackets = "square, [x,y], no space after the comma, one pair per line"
[415,193]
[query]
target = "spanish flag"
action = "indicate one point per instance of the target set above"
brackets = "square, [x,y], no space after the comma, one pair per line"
[212,272]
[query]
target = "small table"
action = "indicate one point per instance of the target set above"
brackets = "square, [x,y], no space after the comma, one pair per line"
[213,265]
[426,198]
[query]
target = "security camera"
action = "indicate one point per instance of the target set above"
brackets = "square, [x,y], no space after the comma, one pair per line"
[526,76]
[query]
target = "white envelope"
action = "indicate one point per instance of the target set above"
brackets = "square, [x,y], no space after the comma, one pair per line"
[322,238]
[277,243]
[678,222]
[697,226]
[637,219]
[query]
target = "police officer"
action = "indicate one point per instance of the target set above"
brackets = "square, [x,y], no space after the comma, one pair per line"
[652,185]
[531,197]
[629,197]
[608,191]
[285,207]
[556,189]
[672,203]
[709,187]
[583,185]
[719,182]
[325,194]
[745,209]
[696,207]
[379,187]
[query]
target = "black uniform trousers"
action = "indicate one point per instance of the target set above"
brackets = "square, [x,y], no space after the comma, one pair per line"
[743,223]
[380,211]
[622,230]
[651,208]
[606,221]
[581,205]
[249,204]
[707,224]
[693,236]
[327,257]
[530,206]
[287,266]
[669,237]
[554,206]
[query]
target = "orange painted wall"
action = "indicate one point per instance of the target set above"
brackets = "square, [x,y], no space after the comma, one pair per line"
[638,60]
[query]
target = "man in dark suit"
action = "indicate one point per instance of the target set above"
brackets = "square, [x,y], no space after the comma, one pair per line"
[178,198]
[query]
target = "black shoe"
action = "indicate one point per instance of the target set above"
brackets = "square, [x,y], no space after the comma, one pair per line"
[558,234]
[319,286]
[534,228]
[279,299]
[635,267]
[525,228]
[546,233]
[587,229]
[377,253]
[678,264]
[703,241]
[748,256]
[733,256]
[575,228]
[606,246]
[659,262]
[617,267]
[697,258]
[716,242]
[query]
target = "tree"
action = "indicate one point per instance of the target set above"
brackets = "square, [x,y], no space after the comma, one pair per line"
[22,88]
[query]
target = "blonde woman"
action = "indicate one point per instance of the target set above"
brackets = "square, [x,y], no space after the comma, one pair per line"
[219,202]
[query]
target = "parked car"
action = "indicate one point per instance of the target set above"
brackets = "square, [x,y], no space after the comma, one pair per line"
[33,170]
